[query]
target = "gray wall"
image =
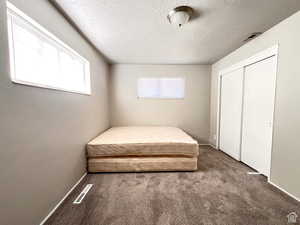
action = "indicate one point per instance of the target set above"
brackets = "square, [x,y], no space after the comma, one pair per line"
[285,169]
[43,132]
[190,114]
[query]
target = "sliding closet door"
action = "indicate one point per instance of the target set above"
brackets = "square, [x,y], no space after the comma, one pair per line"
[259,96]
[230,113]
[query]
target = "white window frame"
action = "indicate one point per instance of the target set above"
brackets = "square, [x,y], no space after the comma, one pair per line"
[13,11]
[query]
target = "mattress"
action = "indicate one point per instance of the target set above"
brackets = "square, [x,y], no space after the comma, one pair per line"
[138,164]
[143,141]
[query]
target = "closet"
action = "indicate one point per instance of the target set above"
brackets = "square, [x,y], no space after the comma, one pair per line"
[231,114]
[247,96]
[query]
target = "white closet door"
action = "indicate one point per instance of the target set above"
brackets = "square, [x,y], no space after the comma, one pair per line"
[259,96]
[231,111]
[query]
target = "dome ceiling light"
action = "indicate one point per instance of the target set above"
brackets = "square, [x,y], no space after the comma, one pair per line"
[180,15]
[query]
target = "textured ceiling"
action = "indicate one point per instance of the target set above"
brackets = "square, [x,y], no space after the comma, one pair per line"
[137,31]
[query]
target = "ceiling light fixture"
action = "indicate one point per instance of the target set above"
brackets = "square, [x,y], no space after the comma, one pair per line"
[180,15]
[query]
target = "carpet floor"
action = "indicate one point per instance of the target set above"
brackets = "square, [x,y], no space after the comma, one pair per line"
[221,192]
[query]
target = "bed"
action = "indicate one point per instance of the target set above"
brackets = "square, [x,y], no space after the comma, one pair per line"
[136,149]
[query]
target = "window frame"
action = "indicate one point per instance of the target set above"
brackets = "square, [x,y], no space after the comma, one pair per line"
[163,97]
[45,35]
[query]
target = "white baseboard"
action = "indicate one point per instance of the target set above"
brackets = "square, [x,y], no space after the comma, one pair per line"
[61,201]
[213,146]
[284,191]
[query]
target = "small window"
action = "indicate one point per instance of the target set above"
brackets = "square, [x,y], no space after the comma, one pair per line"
[40,59]
[168,88]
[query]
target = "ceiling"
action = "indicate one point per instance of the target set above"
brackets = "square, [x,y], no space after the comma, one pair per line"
[137,31]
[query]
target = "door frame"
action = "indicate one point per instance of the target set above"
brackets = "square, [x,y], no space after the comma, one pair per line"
[270,52]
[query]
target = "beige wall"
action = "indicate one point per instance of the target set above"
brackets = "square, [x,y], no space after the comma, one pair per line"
[43,132]
[285,169]
[190,114]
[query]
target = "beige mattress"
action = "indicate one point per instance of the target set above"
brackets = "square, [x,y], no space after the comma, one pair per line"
[137,164]
[143,141]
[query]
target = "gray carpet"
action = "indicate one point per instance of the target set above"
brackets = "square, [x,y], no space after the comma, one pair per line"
[220,193]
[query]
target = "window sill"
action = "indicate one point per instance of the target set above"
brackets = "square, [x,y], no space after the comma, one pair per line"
[26,83]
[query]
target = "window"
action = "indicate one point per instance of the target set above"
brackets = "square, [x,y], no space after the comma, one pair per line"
[40,59]
[168,88]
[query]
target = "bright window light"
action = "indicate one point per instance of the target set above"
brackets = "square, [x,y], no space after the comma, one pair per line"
[167,88]
[38,58]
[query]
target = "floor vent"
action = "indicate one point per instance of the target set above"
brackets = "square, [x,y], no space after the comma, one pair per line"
[81,196]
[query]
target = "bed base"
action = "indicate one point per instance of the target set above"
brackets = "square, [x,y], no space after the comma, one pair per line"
[141,164]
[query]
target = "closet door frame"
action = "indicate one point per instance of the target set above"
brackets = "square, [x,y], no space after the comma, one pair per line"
[270,52]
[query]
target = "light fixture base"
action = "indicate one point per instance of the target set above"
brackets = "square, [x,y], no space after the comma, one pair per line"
[180,9]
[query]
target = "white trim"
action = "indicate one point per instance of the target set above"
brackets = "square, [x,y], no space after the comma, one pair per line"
[27,83]
[274,106]
[254,173]
[15,13]
[284,191]
[253,59]
[213,146]
[61,201]
[11,46]
[242,115]
[218,112]
[275,96]
[272,51]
